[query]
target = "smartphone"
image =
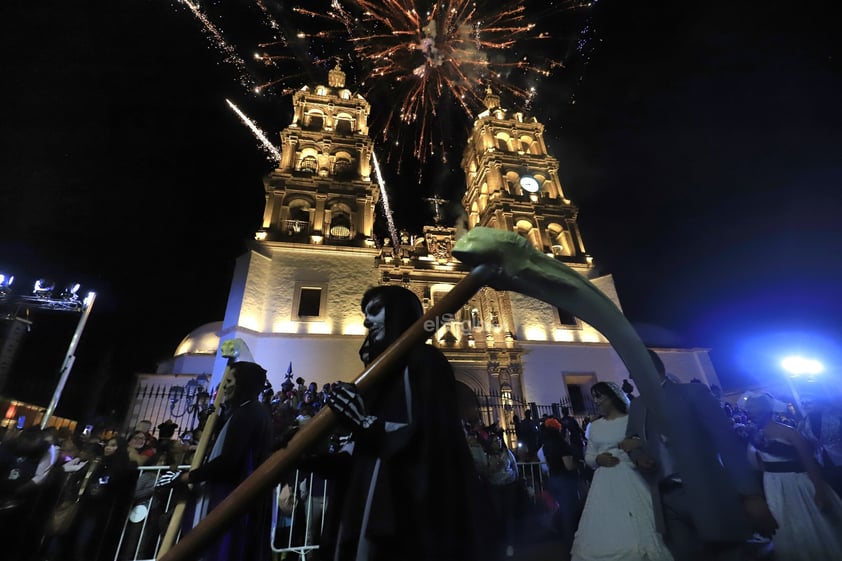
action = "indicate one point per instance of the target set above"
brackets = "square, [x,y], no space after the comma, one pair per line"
[88,430]
[21,422]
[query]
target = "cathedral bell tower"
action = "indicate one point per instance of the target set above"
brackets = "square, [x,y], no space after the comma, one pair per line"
[321,193]
[513,184]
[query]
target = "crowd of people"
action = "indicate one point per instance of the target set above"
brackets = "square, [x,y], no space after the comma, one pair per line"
[403,476]
[66,495]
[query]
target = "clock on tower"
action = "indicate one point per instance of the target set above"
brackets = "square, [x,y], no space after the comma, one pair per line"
[529,183]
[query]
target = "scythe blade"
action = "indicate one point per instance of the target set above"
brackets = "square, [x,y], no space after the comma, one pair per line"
[523,269]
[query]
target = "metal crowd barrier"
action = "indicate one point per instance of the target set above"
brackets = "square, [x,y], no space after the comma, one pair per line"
[298,513]
[147,520]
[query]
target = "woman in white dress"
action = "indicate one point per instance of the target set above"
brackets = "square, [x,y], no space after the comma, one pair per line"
[618,522]
[808,511]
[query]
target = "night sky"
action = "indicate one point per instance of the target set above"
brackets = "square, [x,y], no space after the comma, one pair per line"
[703,150]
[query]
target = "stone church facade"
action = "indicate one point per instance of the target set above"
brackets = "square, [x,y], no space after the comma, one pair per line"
[294,296]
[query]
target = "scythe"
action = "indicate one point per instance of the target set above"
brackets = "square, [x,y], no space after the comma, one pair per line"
[499,259]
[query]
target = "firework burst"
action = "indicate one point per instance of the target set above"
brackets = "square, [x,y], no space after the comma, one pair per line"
[424,65]
[429,56]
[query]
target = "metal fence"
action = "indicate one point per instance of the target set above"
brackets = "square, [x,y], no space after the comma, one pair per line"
[502,409]
[148,518]
[298,513]
[156,403]
[184,405]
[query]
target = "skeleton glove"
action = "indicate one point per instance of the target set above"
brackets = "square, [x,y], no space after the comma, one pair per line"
[346,401]
[167,478]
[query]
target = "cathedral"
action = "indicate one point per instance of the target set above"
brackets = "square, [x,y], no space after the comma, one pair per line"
[294,296]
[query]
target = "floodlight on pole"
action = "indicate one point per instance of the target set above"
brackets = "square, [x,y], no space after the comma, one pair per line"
[797,366]
[69,358]
[6,285]
[800,366]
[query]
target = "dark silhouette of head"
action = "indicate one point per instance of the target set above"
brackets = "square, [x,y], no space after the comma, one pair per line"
[250,379]
[167,429]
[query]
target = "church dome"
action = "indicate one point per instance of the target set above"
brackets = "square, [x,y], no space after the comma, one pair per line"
[203,340]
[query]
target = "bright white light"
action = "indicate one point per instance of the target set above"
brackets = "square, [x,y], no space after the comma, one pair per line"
[798,365]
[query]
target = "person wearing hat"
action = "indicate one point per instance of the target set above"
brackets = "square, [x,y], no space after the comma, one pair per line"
[243,443]
[559,465]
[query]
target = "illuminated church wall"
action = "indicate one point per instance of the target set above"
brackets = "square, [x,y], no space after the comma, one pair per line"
[316,358]
[263,310]
[546,365]
[686,364]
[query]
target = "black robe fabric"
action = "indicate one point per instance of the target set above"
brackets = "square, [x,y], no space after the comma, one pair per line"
[412,493]
[247,440]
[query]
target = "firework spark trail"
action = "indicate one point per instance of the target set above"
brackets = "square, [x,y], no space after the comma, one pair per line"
[268,147]
[387,210]
[216,36]
[268,18]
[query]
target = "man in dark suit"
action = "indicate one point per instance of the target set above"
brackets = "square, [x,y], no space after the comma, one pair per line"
[708,499]
[529,433]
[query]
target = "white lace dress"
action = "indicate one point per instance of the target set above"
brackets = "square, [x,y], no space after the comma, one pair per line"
[805,533]
[618,523]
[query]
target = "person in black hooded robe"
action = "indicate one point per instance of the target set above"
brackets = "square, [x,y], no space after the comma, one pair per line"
[243,443]
[411,491]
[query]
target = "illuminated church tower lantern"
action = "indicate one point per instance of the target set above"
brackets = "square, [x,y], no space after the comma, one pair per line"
[295,295]
[321,191]
[513,184]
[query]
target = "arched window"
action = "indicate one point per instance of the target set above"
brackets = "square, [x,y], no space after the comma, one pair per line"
[503,143]
[340,226]
[342,167]
[299,217]
[314,122]
[340,221]
[526,143]
[309,164]
[559,239]
[528,231]
[344,125]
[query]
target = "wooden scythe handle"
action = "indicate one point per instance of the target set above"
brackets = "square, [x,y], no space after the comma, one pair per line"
[198,456]
[270,472]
